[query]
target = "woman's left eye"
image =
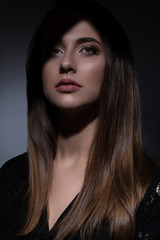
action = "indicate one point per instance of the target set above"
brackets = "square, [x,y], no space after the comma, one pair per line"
[89,51]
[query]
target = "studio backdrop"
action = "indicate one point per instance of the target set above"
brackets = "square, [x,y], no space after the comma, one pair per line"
[18,22]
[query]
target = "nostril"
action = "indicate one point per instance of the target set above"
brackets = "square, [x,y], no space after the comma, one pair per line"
[66,70]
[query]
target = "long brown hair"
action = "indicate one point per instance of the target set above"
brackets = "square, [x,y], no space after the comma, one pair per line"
[113,185]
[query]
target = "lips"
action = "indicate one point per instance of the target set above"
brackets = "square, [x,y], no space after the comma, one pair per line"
[67,85]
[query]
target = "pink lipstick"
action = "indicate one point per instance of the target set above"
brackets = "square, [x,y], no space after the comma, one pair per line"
[67,86]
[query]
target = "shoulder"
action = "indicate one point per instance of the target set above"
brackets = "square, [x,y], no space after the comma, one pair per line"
[19,164]
[13,173]
[13,195]
[148,214]
[17,161]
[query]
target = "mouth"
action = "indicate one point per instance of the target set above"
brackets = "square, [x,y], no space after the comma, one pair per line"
[67,86]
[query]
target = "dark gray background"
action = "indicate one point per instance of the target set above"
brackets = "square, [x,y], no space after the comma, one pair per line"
[18,21]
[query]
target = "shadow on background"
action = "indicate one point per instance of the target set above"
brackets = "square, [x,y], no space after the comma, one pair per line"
[19,20]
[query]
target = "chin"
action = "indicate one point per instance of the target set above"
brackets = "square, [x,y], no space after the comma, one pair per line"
[83,108]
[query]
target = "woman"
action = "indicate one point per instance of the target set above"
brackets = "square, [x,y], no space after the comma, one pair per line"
[85,174]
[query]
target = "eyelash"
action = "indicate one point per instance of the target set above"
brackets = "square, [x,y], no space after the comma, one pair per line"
[55,50]
[87,51]
[90,50]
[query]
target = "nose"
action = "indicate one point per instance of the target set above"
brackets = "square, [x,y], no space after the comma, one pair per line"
[67,64]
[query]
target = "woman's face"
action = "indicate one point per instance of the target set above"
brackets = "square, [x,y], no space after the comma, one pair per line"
[73,75]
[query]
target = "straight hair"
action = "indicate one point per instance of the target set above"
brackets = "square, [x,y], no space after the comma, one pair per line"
[113,184]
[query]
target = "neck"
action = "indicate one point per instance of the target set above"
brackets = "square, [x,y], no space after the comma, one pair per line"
[75,135]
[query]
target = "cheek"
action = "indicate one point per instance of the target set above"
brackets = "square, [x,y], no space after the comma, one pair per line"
[47,79]
[48,72]
[94,72]
[49,75]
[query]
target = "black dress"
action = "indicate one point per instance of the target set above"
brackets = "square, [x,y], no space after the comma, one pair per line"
[13,206]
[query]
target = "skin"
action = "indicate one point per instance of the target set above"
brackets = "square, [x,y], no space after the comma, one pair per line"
[81,62]
[85,64]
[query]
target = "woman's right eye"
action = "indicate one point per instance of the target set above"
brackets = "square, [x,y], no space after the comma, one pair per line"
[56,51]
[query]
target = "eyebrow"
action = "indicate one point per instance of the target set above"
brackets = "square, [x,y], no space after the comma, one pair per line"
[87,39]
[79,40]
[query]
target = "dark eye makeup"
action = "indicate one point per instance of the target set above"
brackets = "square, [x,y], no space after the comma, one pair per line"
[85,50]
[89,50]
[56,51]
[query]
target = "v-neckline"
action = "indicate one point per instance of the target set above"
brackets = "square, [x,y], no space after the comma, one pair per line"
[62,215]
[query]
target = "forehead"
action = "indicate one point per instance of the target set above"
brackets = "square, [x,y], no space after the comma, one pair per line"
[81,29]
[60,24]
